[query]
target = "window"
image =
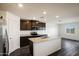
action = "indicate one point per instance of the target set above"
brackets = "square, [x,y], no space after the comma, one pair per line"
[70,28]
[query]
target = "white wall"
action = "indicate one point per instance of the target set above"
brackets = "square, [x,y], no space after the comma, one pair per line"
[62,31]
[3,13]
[52,29]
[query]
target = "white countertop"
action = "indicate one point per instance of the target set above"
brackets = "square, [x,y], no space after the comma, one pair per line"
[38,39]
[41,39]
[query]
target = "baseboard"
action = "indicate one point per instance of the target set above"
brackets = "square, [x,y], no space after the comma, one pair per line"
[69,39]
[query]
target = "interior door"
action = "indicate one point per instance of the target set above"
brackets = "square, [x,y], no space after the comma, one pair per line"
[13,32]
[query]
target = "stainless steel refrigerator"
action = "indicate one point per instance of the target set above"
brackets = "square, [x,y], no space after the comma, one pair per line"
[4,43]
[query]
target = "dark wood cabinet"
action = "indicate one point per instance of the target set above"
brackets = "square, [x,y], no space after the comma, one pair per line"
[24,41]
[35,25]
[42,26]
[31,25]
[25,24]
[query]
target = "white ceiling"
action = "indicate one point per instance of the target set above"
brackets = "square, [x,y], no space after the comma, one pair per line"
[30,10]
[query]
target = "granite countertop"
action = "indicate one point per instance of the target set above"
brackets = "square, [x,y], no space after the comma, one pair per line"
[42,39]
[39,39]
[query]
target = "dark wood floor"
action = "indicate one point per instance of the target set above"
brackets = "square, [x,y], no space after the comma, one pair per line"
[69,48]
[24,51]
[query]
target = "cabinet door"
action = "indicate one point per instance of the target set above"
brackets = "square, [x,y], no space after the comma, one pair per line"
[28,25]
[41,26]
[25,25]
[13,27]
[35,25]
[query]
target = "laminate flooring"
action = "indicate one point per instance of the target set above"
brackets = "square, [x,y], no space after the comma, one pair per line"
[69,48]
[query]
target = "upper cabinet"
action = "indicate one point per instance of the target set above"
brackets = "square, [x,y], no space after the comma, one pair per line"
[25,25]
[31,25]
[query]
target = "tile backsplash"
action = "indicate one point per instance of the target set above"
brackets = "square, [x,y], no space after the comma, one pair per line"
[26,33]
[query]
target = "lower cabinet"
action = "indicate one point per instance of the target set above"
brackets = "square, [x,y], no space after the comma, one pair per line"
[24,41]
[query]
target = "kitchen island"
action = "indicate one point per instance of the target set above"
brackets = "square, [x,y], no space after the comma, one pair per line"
[44,46]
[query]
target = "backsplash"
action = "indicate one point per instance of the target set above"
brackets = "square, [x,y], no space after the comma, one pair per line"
[26,33]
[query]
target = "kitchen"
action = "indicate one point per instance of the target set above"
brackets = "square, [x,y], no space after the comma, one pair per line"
[39,31]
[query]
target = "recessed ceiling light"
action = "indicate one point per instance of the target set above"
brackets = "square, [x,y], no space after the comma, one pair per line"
[44,12]
[20,5]
[57,16]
